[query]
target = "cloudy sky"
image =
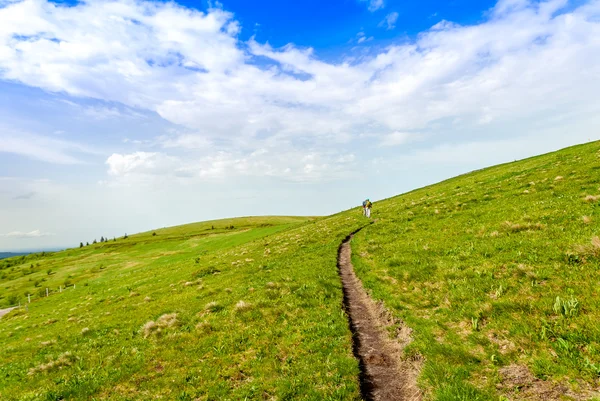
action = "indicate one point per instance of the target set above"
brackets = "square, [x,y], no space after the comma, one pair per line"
[124,116]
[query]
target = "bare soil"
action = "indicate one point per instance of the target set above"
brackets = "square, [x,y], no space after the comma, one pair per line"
[385,374]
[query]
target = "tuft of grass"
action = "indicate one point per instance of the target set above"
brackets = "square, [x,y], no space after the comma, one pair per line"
[163,322]
[65,359]
[242,306]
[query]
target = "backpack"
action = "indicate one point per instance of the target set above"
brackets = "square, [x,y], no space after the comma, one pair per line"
[364,203]
[369,204]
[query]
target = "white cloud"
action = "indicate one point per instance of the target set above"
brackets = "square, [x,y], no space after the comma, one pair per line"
[389,22]
[141,162]
[30,234]
[395,139]
[290,164]
[40,147]
[374,5]
[362,38]
[526,62]
[185,141]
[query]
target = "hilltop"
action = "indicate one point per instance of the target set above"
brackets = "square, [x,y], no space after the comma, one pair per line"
[491,276]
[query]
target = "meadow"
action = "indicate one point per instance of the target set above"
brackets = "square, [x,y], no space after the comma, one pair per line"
[233,309]
[495,272]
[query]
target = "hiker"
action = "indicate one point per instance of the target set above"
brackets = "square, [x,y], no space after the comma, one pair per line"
[368,208]
[365,207]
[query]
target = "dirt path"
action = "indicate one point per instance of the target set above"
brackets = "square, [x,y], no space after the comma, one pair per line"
[5,311]
[384,376]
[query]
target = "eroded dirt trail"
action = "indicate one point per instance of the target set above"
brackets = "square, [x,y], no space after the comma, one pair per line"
[385,376]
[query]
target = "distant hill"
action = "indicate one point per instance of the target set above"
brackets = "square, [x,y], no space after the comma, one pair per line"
[490,281]
[4,255]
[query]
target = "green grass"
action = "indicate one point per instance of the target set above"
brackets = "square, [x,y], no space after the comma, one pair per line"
[494,268]
[257,315]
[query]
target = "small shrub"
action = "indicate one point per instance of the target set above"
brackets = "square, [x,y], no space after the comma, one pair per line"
[12,299]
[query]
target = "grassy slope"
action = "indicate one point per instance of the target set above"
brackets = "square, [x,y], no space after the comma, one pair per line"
[475,265]
[288,339]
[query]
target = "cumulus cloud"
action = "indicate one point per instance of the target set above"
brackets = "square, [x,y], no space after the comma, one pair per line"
[526,61]
[290,165]
[141,162]
[30,234]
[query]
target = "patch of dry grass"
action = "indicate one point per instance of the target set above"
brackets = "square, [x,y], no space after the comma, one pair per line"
[518,227]
[63,360]
[163,322]
[242,306]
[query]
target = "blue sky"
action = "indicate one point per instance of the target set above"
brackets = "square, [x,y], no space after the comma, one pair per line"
[124,116]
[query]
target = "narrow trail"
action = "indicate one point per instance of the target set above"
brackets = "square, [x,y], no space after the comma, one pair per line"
[5,311]
[384,375]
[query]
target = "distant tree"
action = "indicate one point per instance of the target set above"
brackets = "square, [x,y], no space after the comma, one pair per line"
[101,239]
[114,239]
[154,234]
[95,242]
[81,244]
[125,237]
[87,244]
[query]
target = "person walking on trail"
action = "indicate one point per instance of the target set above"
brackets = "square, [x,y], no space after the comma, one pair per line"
[368,208]
[365,207]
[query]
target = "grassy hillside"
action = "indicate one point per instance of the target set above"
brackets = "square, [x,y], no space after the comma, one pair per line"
[193,312]
[4,255]
[498,274]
